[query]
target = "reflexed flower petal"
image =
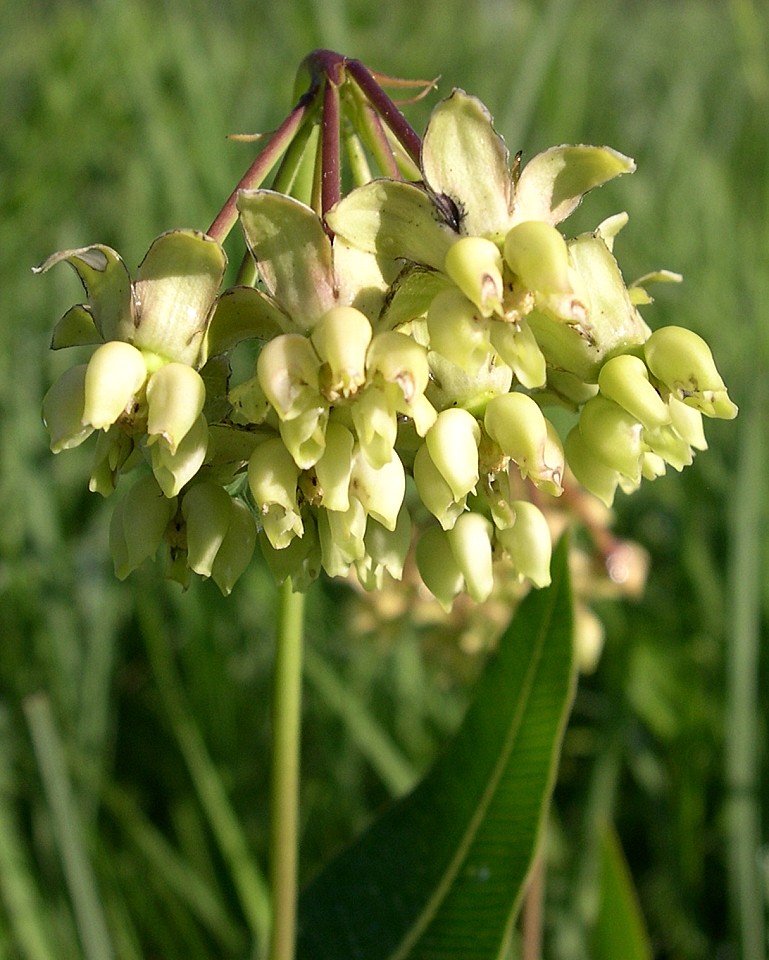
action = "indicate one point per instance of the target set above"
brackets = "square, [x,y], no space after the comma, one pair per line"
[528,543]
[237,548]
[438,568]
[518,347]
[335,467]
[452,442]
[175,398]
[206,510]
[173,469]
[272,478]
[341,538]
[386,551]
[470,543]
[116,372]
[63,410]
[380,490]
[434,491]
[305,436]
[138,524]
[376,425]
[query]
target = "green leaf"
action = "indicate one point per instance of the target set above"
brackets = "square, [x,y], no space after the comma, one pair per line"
[395,220]
[553,183]
[292,252]
[465,159]
[441,874]
[619,929]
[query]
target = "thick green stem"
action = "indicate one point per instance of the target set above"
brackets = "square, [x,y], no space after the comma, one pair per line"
[284,804]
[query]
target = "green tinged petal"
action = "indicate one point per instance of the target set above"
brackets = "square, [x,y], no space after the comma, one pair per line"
[465,159]
[292,252]
[553,183]
[242,313]
[75,329]
[176,286]
[108,285]
[395,220]
[63,410]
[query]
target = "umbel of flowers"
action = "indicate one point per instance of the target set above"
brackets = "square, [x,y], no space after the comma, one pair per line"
[412,337]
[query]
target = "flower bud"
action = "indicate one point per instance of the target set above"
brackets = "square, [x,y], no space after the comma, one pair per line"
[381,490]
[528,543]
[537,254]
[470,543]
[396,358]
[475,265]
[613,435]
[175,398]
[434,491]
[625,380]
[272,478]
[516,423]
[206,510]
[437,567]
[237,548]
[341,338]
[173,470]
[518,347]
[63,410]
[287,369]
[116,372]
[595,476]
[453,445]
[334,468]
[457,332]
[138,524]
[682,360]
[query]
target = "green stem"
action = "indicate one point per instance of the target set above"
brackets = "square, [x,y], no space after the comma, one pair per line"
[284,805]
[257,172]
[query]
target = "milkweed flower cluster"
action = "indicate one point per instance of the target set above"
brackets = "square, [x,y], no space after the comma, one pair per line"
[411,344]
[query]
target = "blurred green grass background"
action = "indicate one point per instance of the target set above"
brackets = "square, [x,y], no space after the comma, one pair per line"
[133,719]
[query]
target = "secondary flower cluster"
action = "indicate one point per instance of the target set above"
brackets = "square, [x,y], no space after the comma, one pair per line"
[410,344]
